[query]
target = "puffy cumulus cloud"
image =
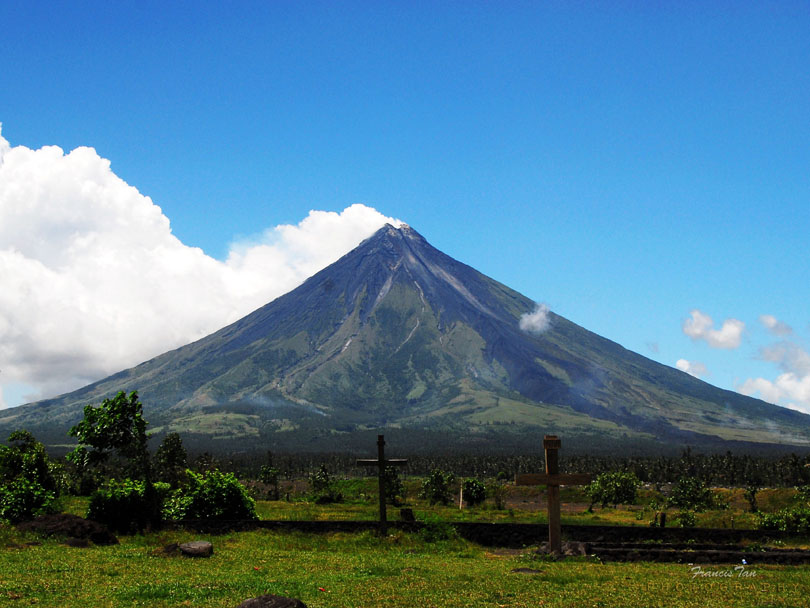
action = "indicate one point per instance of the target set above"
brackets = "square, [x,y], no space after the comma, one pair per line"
[791,388]
[93,280]
[775,326]
[701,327]
[693,368]
[536,322]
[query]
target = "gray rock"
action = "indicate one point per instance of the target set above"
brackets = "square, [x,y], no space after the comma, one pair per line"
[197,548]
[272,601]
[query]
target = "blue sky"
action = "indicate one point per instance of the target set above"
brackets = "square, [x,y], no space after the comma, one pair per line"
[625,163]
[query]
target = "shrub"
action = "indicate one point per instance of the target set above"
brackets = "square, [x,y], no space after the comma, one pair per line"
[124,506]
[474,492]
[618,487]
[687,519]
[28,486]
[795,520]
[323,490]
[436,488]
[691,494]
[22,499]
[214,496]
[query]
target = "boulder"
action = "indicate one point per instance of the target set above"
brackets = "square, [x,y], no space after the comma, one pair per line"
[272,601]
[197,548]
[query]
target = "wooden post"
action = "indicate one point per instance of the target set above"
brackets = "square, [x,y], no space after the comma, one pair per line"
[381,463]
[552,479]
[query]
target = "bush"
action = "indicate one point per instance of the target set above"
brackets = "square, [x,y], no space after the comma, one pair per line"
[474,492]
[28,487]
[323,490]
[436,488]
[795,520]
[691,494]
[213,496]
[23,499]
[687,519]
[618,487]
[124,506]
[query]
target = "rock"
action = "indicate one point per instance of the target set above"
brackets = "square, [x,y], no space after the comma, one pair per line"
[272,601]
[526,571]
[197,548]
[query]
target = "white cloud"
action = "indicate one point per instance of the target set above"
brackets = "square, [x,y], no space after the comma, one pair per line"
[536,322]
[693,368]
[775,326]
[700,327]
[792,387]
[790,390]
[93,281]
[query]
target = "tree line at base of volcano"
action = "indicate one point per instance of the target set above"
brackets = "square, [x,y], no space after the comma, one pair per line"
[132,489]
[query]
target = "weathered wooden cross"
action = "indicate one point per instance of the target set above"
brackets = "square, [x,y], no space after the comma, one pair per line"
[552,479]
[380,462]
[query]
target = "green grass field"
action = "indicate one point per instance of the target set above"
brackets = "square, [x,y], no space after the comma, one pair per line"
[360,570]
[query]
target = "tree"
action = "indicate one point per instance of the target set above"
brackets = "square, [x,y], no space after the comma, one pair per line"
[170,460]
[692,494]
[117,425]
[618,487]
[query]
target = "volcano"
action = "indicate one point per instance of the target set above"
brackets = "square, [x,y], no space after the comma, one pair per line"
[397,335]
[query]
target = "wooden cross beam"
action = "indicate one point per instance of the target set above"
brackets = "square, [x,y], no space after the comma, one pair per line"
[552,479]
[380,462]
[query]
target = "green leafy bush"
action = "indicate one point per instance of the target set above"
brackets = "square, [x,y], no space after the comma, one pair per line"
[687,519]
[22,499]
[691,494]
[28,487]
[213,495]
[436,487]
[474,492]
[795,520]
[124,505]
[615,488]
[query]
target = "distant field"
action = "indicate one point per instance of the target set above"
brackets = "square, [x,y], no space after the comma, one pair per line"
[522,505]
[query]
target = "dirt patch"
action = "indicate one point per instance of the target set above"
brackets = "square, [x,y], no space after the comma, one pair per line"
[65,525]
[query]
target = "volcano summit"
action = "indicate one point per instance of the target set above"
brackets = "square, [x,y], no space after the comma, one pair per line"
[398,335]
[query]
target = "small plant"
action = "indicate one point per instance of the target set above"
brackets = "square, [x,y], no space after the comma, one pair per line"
[436,488]
[618,487]
[474,492]
[323,490]
[686,519]
[498,493]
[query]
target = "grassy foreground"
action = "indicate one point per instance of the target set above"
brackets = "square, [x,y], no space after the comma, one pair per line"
[361,570]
